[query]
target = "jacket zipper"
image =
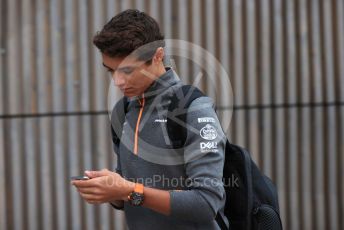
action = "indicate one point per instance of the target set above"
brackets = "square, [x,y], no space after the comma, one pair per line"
[142,103]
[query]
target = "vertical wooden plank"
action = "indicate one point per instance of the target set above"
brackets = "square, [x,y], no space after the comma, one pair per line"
[58,76]
[317,126]
[265,86]
[226,98]
[339,60]
[14,99]
[231,45]
[125,4]
[238,76]
[140,5]
[251,78]
[196,31]
[3,36]
[30,128]
[210,47]
[72,121]
[182,34]
[111,10]
[292,133]
[3,214]
[31,154]
[279,113]
[12,43]
[44,84]
[304,159]
[167,29]
[330,138]
[154,10]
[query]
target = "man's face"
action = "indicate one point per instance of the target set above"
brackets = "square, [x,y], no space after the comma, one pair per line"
[131,76]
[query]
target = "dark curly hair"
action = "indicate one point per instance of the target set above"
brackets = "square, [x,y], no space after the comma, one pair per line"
[127,32]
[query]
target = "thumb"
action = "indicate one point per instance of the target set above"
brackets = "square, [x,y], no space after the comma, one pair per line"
[93,174]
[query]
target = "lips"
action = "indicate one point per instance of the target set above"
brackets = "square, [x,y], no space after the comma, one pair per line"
[123,89]
[126,89]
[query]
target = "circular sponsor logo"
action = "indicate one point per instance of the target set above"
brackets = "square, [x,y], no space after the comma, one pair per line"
[208,132]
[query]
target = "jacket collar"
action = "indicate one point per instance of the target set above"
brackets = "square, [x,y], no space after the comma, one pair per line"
[163,82]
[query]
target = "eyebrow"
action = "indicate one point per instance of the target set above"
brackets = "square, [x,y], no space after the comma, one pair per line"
[121,68]
[106,66]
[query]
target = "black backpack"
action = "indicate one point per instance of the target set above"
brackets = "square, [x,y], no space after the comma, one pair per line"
[253,202]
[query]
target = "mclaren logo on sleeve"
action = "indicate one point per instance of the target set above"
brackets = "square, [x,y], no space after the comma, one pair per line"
[160,120]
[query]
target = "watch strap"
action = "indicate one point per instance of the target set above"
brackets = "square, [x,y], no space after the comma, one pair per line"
[138,188]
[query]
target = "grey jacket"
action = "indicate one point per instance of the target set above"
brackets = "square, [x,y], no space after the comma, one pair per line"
[193,176]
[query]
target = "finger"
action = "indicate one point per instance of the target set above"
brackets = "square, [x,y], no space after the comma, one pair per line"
[90,198]
[85,183]
[93,174]
[90,191]
[93,202]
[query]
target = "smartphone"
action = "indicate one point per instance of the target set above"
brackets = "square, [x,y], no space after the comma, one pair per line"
[79,178]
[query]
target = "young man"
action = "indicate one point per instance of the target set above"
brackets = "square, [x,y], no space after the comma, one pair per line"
[150,180]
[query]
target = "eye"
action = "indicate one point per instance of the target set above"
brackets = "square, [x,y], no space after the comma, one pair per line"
[127,70]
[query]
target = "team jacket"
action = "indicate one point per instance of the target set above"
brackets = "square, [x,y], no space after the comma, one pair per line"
[192,175]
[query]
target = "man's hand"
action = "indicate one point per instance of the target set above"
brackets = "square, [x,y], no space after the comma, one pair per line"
[104,186]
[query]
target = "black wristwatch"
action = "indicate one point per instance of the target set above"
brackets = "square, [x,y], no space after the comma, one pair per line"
[136,197]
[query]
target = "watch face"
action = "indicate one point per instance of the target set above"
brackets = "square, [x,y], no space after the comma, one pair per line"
[136,199]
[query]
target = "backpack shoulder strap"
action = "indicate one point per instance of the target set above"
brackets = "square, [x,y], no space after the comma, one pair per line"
[177,111]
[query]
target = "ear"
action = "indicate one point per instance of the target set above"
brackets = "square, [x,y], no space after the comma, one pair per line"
[159,55]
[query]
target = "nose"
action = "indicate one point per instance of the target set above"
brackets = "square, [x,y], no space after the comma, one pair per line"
[119,79]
